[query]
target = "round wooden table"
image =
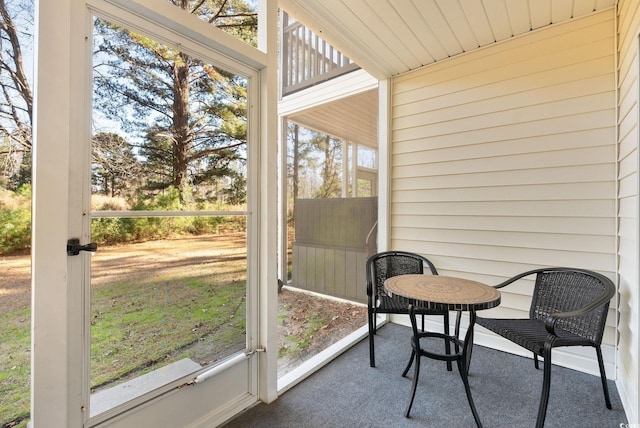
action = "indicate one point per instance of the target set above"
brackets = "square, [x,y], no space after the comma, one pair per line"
[443,293]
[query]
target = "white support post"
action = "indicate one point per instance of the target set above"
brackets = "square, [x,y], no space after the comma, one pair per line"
[268,301]
[384,171]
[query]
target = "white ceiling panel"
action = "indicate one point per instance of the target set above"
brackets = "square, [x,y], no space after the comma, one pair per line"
[402,32]
[541,14]
[424,45]
[382,16]
[561,10]
[519,15]
[439,26]
[390,37]
[354,118]
[476,16]
[583,7]
[498,16]
[457,20]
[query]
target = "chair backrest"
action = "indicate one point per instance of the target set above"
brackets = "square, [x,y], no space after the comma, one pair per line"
[384,265]
[564,290]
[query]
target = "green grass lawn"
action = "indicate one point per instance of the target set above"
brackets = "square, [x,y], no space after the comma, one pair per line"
[138,326]
[15,366]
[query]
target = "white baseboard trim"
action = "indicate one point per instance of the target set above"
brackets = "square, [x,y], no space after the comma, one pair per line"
[627,387]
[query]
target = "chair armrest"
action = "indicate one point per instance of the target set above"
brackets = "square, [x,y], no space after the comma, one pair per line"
[517,277]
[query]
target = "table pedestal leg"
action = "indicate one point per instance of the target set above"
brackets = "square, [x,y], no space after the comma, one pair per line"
[463,365]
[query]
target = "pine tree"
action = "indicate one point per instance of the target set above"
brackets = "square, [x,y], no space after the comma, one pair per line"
[190,116]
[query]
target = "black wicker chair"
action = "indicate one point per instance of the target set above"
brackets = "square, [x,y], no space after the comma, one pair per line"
[385,265]
[569,308]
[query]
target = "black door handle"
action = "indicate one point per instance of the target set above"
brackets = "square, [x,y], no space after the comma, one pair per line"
[74,247]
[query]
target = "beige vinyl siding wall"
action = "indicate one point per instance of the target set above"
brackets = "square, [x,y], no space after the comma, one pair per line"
[628,70]
[504,159]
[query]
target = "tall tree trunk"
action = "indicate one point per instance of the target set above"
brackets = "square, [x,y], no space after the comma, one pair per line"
[181,132]
[329,185]
[296,160]
[327,167]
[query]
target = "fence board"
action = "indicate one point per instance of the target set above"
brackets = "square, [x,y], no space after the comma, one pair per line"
[331,246]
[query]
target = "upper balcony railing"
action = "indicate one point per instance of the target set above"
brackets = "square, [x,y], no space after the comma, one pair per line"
[307,59]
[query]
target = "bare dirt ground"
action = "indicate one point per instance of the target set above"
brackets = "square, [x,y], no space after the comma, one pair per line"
[334,320]
[306,324]
[15,287]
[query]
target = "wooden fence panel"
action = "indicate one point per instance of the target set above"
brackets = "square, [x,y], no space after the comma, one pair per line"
[333,239]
